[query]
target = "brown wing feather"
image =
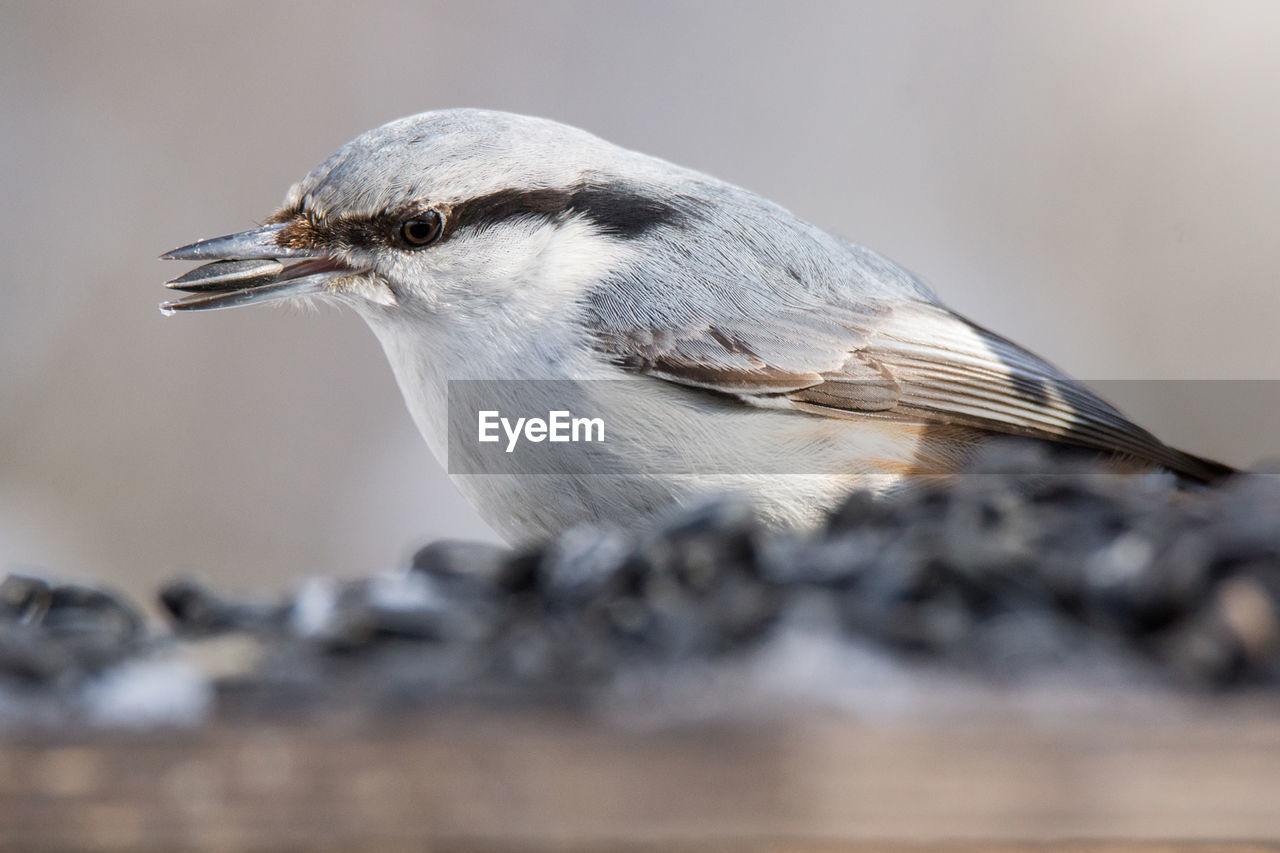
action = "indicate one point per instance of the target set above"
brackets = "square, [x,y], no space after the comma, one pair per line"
[922,364]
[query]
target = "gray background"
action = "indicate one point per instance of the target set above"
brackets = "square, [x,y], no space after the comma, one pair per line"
[1097,180]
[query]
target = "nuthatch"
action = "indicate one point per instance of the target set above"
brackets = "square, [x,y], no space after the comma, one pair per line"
[764,354]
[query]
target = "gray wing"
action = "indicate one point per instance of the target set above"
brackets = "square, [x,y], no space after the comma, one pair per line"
[910,360]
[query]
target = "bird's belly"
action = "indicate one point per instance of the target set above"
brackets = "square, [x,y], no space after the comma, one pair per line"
[665,448]
[664,443]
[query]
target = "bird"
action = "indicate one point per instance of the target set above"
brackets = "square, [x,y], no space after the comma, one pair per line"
[726,344]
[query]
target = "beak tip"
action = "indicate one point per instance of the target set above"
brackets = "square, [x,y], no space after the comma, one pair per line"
[183,253]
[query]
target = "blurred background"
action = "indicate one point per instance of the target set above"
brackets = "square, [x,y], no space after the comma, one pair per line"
[1097,180]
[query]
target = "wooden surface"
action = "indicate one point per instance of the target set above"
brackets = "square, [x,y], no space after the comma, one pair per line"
[1207,779]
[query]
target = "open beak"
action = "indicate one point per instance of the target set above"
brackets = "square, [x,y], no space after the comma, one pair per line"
[247,269]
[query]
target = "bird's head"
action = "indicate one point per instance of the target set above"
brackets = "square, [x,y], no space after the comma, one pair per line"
[449,209]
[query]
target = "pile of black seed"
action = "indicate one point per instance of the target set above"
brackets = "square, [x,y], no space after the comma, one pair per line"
[1022,562]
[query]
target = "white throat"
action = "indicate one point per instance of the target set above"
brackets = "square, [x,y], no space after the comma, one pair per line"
[505,305]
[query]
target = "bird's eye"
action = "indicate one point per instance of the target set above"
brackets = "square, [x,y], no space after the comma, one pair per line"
[423,230]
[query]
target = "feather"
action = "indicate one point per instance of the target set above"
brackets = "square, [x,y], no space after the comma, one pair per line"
[915,362]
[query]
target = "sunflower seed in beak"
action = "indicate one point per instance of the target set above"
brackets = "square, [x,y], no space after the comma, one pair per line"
[228,275]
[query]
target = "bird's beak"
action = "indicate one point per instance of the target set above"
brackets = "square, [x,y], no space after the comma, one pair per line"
[246,269]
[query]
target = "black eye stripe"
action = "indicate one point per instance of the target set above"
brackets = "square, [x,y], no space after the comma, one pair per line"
[617,208]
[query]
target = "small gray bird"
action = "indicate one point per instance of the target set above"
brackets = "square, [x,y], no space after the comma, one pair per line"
[763,354]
